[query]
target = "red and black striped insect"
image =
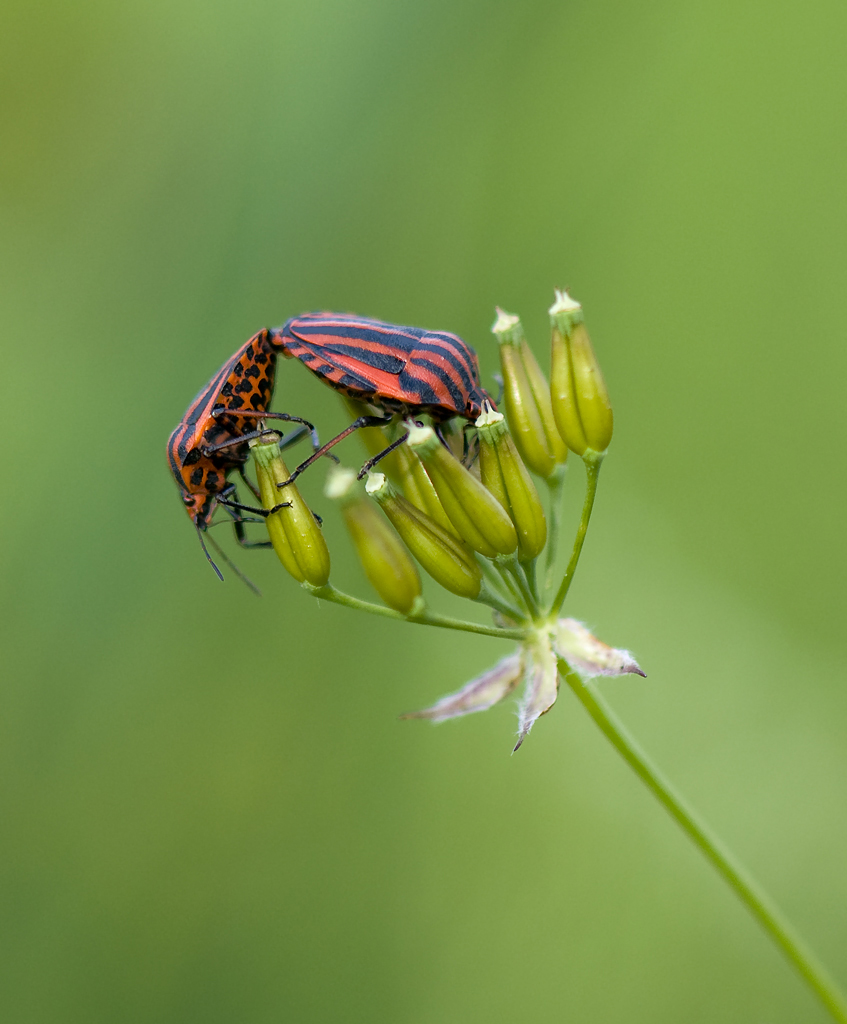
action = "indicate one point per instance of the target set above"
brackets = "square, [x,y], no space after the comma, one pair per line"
[210,441]
[397,370]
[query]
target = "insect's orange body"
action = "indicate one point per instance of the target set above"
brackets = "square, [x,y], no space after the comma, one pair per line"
[244,382]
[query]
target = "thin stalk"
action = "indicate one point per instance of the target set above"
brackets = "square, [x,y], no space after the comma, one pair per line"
[556,488]
[487,596]
[424,618]
[592,471]
[511,564]
[747,890]
[510,584]
[494,579]
[530,568]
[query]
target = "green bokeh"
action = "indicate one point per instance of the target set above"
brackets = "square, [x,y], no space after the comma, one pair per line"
[210,810]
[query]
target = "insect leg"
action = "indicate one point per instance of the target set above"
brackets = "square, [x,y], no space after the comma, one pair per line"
[439,433]
[466,447]
[258,414]
[210,449]
[471,452]
[263,512]
[362,421]
[386,451]
[241,536]
[284,442]
[250,485]
[238,520]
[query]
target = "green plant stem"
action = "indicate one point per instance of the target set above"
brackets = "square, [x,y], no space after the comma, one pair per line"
[424,618]
[515,570]
[493,600]
[593,461]
[510,584]
[494,580]
[531,570]
[747,890]
[556,488]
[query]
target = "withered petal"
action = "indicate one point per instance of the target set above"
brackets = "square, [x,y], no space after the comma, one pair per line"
[479,694]
[590,656]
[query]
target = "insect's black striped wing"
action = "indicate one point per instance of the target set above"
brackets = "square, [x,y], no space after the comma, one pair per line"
[444,369]
[372,359]
[354,354]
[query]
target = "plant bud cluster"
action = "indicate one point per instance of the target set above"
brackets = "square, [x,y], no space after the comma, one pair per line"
[461,503]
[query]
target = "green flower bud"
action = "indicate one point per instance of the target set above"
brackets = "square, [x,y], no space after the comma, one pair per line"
[418,488]
[477,515]
[580,399]
[402,467]
[387,564]
[294,531]
[526,398]
[442,556]
[453,432]
[507,478]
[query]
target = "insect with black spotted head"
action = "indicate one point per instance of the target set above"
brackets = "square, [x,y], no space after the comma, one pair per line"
[210,441]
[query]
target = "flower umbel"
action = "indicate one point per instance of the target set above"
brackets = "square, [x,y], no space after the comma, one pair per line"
[463,505]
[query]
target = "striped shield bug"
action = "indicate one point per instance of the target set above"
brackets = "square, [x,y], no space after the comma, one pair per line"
[396,370]
[210,441]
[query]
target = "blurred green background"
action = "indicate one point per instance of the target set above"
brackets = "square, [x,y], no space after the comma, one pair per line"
[210,810]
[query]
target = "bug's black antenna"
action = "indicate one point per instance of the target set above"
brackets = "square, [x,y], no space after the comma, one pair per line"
[231,564]
[220,575]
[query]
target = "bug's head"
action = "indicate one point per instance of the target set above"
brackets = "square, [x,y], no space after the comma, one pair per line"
[476,400]
[199,508]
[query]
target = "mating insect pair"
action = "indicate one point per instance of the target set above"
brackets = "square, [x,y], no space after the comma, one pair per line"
[396,370]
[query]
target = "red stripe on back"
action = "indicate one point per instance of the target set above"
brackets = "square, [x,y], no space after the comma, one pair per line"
[304,329]
[421,373]
[445,366]
[460,350]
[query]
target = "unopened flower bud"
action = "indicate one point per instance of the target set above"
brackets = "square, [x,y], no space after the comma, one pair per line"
[580,399]
[453,431]
[402,467]
[507,478]
[294,531]
[387,563]
[478,516]
[418,488]
[526,398]
[439,552]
